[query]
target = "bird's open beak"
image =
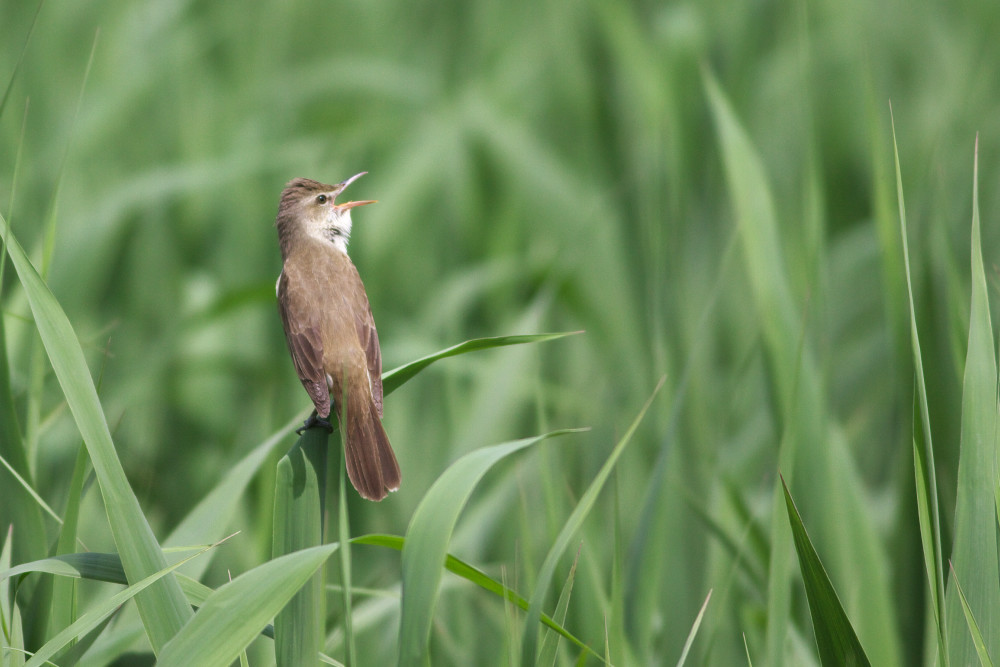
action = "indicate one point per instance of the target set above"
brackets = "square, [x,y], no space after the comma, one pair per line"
[344,184]
[351,204]
[347,205]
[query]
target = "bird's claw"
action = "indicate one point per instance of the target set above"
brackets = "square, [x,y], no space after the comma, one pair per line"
[315,420]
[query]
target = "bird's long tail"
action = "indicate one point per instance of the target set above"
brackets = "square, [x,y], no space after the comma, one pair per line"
[371,463]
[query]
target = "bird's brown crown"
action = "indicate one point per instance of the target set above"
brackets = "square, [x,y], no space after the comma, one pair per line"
[297,188]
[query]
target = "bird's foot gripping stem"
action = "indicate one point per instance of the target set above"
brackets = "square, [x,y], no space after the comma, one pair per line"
[315,420]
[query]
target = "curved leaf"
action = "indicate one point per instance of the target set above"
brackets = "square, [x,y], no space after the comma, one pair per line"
[427,539]
[162,606]
[237,612]
[395,378]
[974,549]
[476,576]
[928,512]
[835,637]
[98,613]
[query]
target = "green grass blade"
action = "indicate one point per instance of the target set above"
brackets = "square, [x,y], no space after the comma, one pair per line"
[11,634]
[835,637]
[108,568]
[19,480]
[476,576]
[95,566]
[299,492]
[20,57]
[616,604]
[510,624]
[393,379]
[99,612]
[63,591]
[236,612]
[198,593]
[923,449]
[550,642]
[754,208]
[529,640]
[72,654]
[344,537]
[105,567]
[996,492]
[64,598]
[162,606]
[930,533]
[427,538]
[970,619]
[974,552]
[694,631]
[19,503]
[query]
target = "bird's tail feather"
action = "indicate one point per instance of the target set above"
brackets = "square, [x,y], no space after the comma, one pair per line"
[371,463]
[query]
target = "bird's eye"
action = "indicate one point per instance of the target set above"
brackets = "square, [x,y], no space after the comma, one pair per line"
[321,199]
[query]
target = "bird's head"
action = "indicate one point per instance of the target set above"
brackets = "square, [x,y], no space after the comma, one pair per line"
[309,208]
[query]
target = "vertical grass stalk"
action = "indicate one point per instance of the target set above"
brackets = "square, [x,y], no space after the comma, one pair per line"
[300,487]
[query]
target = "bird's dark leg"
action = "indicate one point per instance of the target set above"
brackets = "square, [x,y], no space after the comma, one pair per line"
[315,420]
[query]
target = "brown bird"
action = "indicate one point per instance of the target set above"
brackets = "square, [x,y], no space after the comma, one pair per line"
[330,330]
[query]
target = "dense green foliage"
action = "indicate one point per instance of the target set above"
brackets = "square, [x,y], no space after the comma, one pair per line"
[707,189]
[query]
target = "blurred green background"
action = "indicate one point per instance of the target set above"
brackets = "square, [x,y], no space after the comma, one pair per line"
[539,166]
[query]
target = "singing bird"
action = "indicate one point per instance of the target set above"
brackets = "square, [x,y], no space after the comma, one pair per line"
[330,330]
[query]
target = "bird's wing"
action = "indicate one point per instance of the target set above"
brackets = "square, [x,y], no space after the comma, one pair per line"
[304,341]
[368,336]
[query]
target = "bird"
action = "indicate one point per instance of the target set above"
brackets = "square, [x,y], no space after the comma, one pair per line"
[330,330]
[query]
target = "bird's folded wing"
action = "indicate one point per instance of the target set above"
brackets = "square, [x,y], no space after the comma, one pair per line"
[368,336]
[304,342]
